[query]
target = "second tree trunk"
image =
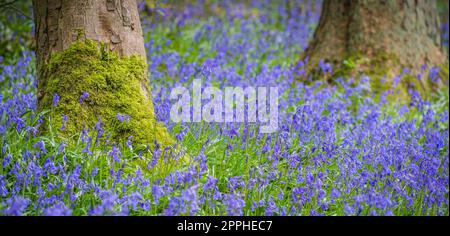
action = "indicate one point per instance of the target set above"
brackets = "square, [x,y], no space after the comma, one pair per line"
[392,32]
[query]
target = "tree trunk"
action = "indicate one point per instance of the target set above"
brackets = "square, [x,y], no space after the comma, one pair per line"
[395,33]
[91,54]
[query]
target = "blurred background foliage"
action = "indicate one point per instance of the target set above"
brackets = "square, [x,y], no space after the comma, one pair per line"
[17,27]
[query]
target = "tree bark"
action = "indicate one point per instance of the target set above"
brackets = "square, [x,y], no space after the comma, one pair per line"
[112,70]
[406,31]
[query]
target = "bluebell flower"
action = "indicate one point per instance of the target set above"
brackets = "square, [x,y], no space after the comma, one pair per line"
[94,172]
[115,154]
[325,67]
[55,99]
[58,209]
[122,118]
[129,142]
[234,204]
[83,96]
[41,146]
[64,122]
[6,160]
[16,206]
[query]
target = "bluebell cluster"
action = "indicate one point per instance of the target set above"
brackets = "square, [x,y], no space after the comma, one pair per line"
[339,150]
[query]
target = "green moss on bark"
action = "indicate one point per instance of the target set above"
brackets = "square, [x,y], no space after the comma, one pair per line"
[382,68]
[115,85]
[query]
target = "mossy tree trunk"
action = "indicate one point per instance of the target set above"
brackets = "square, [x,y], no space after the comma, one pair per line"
[91,54]
[395,33]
